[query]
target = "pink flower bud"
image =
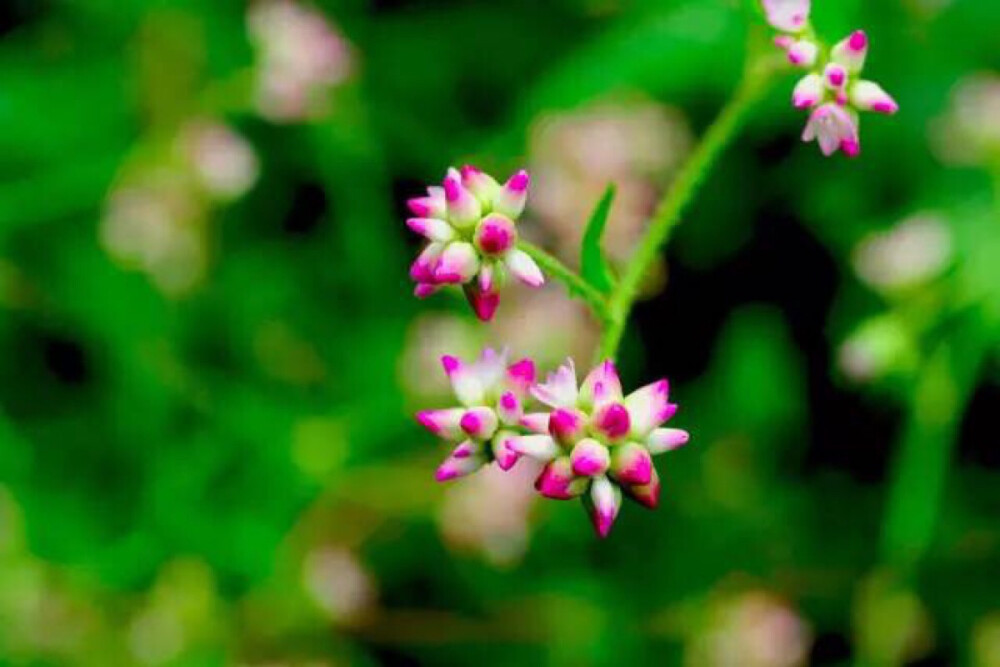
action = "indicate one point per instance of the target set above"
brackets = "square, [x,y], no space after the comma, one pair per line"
[541,447]
[502,453]
[803,53]
[612,421]
[509,408]
[648,407]
[458,263]
[479,423]
[808,91]
[787,15]
[484,304]
[480,184]
[536,422]
[647,495]
[851,147]
[512,196]
[558,482]
[487,277]
[495,235]
[605,501]
[464,209]
[835,76]
[631,464]
[851,51]
[524,268]
[424,290]
[869,96]
[666,439]
[432,229]
[567,425]
[442,423]
[521,376]
[601,385]
[590,458]
[431,206]
[454,467]
[465,383]
[425,265]
[466,449]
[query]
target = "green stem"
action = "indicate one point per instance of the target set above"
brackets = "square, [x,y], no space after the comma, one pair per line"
[683,189]
[940,395]
[995,171]
[574,282]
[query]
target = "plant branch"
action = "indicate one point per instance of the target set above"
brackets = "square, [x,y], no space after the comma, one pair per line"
[574,282]
[756,78]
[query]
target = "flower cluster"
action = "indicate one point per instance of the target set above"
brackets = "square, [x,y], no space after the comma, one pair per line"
[492,396]
[832,89]
[595,442]
[469,225]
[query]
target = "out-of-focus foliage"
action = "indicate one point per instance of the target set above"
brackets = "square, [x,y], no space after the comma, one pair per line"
[209,353]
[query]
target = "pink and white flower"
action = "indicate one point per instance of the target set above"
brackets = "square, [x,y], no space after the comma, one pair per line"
[469,223]
[833,88]
[834,128]
[598,443]
[791,16]
[836,93]
[492,396]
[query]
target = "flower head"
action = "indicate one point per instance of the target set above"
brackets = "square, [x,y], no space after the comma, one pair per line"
[835,92]
[833,89]
[491,395]
[598,443]
[469,225]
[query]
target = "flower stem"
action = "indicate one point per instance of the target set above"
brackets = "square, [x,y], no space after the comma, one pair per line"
[754,84]
[941,393]
[574,282]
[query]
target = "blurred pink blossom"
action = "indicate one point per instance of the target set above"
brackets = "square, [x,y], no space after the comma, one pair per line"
[338,583]
[224,163]
[301,57]
[489,513]
[969,132]
[153,222]
[915,251]
[753,629]
[575,155]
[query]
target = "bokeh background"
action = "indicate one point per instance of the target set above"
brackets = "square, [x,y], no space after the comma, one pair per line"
[210,356]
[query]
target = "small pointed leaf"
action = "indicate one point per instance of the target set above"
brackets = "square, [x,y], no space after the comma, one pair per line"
[593,265]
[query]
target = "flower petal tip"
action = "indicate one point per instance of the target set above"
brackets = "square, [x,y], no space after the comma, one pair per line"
[454,467]
[484,303]
[450,364]
[519,182]
[858,41]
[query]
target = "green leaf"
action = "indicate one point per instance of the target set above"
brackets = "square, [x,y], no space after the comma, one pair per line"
[593,266]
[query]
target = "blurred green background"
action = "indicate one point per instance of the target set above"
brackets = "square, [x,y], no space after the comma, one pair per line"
[210,356]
